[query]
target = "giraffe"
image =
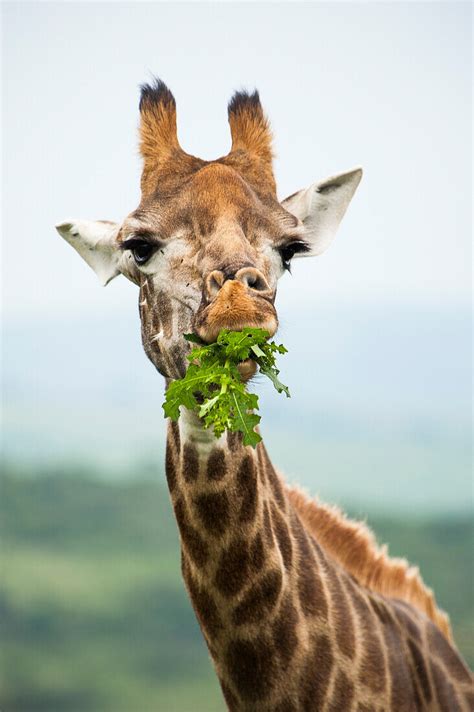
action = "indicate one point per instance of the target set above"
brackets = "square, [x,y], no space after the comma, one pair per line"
[299,607]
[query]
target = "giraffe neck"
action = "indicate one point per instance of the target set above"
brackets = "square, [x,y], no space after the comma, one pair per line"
[241,546]
[287,629]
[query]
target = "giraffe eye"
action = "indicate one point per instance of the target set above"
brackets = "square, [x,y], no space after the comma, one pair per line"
[141,250]
[288,251]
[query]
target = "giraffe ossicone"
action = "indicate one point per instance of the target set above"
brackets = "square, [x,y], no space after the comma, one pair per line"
[300,609]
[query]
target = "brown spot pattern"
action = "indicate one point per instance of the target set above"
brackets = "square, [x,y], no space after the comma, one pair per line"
[406,622]
[275,484]
[230,698]
[247,488]
[372,671]
[204,606]
[192,540]
[232,571]
[417,701]
[284,631]
[170,468]
[469,698]
[420,671]
[174,430]
[190,462]
[234,440]
[316,674]
[283,537]
[260,600]
[267,525]
[381,611]
[310,588]
[216,465]
[445,693]
[343,693]
[213,510]
[341,611]
[251,667]
[451,660]
[257,554]
[285,706]
[401,697]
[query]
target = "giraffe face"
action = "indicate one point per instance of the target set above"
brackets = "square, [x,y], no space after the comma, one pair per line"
[206,258]
[209,240]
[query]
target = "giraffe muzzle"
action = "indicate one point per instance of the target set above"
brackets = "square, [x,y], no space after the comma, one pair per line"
[236,306]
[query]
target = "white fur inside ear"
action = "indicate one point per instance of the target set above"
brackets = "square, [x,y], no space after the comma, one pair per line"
[321,208]
[95,241]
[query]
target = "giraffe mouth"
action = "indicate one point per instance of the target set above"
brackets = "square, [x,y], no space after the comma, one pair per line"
[210,322]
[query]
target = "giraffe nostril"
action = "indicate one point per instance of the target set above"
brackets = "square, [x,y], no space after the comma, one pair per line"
[214,282]
[252,278]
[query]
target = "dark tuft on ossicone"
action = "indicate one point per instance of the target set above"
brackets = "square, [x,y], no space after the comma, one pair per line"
[155,93]
[243,101]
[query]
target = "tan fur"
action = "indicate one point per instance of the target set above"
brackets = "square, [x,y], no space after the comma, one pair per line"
[353,545]
[233,308]
[165,164]
[251,154]
[158,133]
[250,131]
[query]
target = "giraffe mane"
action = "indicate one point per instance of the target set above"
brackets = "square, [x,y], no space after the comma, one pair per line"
[353,545]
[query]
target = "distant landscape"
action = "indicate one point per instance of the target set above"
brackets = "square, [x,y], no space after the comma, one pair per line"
[95,616]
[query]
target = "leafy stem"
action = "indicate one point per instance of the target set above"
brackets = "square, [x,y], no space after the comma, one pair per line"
[215,366]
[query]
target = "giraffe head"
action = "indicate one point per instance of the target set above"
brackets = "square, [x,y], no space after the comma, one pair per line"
[209,239]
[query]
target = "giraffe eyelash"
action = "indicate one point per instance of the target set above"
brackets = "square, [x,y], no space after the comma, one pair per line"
[138,239]
[142,249]
[290,250]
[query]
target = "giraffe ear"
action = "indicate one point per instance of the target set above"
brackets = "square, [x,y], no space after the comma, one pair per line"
[95,241]
[322,206]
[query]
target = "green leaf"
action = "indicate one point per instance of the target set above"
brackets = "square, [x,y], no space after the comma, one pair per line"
[258,351]
[245,421]
[194,338]
[272,374]
[224,403]
[208,405]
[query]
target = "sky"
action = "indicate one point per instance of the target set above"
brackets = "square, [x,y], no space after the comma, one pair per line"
[385,86]
[380,323]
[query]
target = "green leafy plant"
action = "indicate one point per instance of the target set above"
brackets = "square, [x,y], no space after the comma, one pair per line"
[213,388]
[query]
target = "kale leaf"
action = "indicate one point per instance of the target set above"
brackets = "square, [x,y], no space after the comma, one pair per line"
[213,388]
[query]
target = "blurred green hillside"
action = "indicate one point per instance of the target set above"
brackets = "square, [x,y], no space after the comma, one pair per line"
[95,616]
